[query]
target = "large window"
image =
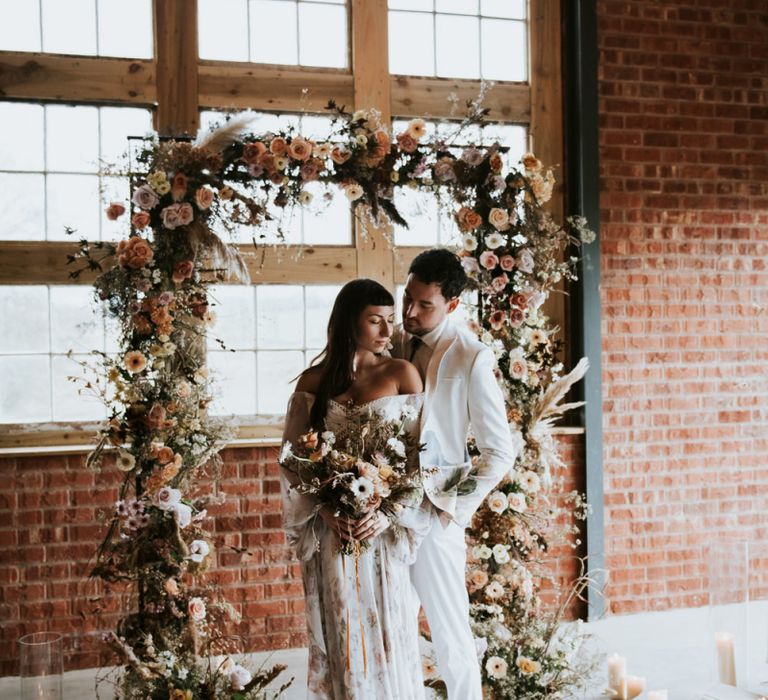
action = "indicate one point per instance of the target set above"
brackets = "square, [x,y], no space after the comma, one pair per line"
[109,69]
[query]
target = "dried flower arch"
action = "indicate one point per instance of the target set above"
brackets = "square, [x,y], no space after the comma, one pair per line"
[156,287]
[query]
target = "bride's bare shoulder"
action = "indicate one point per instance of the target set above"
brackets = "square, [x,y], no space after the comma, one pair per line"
[408,378]
[309,380]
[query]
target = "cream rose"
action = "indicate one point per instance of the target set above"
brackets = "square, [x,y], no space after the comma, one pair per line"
[196,609]
[145,197]
[497,502]
[204,198]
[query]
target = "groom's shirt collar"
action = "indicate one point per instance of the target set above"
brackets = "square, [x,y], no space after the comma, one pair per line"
[431,339]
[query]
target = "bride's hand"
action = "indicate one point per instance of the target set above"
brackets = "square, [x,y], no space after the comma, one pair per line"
[370,525]
[341,526]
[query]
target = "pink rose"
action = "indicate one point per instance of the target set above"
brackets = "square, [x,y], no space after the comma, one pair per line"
[507,262]
[406,142]
[497,319]
[156,416]
[145,197]
[175,215]
[516,317]
[309,171]
[499,283]
[470,264]
[525,261]
[519,300]
[443,170]
[253,151]
[488,260]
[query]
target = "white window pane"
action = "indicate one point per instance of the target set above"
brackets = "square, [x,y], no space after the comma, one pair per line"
[317,128]
[235,309]
[419,209]
[71,400]
[285,222]
[20,28]
[327,222]
[467,310]
[24,319]
[69,27]
[234,376]
[22,201]
[26,394]
[73,201]
[322,36]
[310,355]
[505,50]
[511,135]
[319,304]
[114,189]
[449,233]
[414,5]
[514,9]
[411,44]
[113,332]
[24,151]
[462,7]
[125,28]
[223,29]
[117,124]
[279,310]
[75,323]
[72,141]
[273,32]
[277,370]
[326,2]
[458,51]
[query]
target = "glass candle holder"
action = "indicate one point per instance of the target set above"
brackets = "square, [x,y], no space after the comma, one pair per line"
[41,666]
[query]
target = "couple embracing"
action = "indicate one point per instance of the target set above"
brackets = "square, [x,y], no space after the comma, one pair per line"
[362,619]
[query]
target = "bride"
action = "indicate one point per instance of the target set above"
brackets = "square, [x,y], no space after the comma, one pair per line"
[363,635]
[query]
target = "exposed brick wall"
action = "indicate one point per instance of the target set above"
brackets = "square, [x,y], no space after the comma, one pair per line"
[49,531]
[683,90]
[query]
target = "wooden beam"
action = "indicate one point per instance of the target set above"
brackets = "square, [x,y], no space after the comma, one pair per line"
[176,57]
[370,68]
[44,262]
[278,89]
[441,98]
[546,130]
[37,76]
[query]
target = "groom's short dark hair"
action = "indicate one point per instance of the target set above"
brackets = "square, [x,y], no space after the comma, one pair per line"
[440,266]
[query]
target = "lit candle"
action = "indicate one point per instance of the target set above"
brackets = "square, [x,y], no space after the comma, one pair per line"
[657,695]
[617,671]
[635,686]
[726,661]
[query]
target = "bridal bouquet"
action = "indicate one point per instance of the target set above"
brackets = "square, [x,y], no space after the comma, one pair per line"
[369,464]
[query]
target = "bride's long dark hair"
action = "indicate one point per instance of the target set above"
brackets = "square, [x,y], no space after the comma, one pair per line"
[336,360]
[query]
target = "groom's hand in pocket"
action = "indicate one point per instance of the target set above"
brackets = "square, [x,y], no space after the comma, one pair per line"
[370,525]
[341,526]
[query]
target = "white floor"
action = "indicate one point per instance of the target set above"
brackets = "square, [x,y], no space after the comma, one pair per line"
[672,650]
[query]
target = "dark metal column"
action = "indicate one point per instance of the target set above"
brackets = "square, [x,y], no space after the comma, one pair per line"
[582,192]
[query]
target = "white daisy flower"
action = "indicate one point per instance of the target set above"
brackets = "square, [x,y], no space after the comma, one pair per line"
[494,240]
[396,446]
[494,590]
[529,481]
[362,488]
[496,667]
[500,554]
[125,461]
[469,242]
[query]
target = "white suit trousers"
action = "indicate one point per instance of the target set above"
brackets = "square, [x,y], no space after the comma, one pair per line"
[438,575]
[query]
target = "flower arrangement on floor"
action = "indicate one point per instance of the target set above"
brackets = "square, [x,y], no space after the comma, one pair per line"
[156,286]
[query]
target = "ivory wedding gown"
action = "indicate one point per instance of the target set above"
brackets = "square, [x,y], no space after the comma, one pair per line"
[363,631]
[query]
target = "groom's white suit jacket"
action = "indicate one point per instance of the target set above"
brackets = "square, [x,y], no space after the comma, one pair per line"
[461,389]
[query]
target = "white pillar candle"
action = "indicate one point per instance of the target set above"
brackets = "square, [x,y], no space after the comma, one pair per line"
[635,686]
[657,695]
[726,660]
[617,671]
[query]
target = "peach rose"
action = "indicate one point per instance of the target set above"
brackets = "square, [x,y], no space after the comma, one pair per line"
[495,162]
[115,211]
[196,609]
[253,151]
[497,319]
[499,283]
[310,170]
[179,186]
[300,149]
[140,220]
[468,219]
[499,219]
[182,270]
[531,163]
[204,198]
[171,587]
[156,416]
[278,146]
[164,455]
[478,578]
[340,155]
[135,253]
[519,300]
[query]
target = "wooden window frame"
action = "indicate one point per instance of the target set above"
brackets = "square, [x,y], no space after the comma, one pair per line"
[177,85]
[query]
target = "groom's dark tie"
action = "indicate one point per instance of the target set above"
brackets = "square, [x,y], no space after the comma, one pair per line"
[415,345]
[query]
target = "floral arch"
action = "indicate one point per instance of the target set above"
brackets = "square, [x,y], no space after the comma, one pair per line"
[158,540]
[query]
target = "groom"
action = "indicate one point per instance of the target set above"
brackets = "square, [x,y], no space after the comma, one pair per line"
[460,389]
